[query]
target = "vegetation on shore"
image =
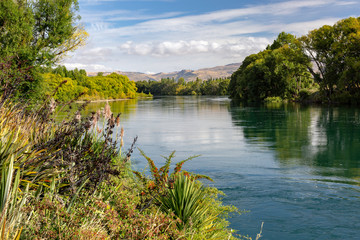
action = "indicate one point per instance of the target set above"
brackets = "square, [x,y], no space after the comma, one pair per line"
[180,87]
[71,180]
[113,86]
[322,66]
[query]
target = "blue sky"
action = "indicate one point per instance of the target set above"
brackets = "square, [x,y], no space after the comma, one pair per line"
[171,35]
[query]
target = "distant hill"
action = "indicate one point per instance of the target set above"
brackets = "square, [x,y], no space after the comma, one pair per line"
[188,75]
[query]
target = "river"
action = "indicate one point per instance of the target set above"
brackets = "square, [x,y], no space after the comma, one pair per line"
[295,168]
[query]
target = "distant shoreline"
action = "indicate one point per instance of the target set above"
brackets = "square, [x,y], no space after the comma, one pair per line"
[109,100]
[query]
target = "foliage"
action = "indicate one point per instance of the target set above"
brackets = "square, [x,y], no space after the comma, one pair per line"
[171,87]
[185,200]
[35,34]
[279,71]
[39,32]
[273,100]
[160,178]
[328,55]
[335,50]
[76,83]
[71,182]
[113,86]
[12,78]
[196,207]
[66,88]
[11,202]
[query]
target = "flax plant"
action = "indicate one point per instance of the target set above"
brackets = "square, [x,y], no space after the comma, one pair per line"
[185,200]
[11,202]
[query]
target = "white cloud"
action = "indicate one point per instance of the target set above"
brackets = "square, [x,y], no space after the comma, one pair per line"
[346,3]
[224,23]
[301,28]
[168,48]
[88,67]
[171,41]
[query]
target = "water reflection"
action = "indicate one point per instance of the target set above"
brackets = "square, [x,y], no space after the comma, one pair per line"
[325,139]
[200,105]
[125,107]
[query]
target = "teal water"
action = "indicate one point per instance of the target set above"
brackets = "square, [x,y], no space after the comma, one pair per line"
[295,168]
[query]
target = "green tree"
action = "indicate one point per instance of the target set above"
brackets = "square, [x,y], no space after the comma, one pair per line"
[68,89]
[335,51]
[38,33]
[279,71]
[113,86]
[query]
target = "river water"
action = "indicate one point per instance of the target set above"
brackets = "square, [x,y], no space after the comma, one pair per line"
[295,168]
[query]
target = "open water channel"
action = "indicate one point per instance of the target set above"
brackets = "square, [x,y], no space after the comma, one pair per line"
[295,168]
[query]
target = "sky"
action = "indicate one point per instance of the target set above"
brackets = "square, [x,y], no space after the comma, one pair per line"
[154,36]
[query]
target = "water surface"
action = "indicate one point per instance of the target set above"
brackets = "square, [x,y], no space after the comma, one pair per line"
[295,168]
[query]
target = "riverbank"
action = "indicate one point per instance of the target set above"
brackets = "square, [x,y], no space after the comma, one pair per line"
[114,100]
[76,182]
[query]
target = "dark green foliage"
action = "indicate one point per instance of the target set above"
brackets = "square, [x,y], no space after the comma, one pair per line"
[328,55]
[35,34]
[34,31]
[279,71]
[12,78]
[171,87]
[335,51]
[197,209]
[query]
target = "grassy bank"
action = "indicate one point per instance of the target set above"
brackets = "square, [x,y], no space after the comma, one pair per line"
[72,180]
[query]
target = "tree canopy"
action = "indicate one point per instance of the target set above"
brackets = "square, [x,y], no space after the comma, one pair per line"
[329,56]
[39,32]
[335,50]
[278,71]
[35,34]
[172,87]
[72,83]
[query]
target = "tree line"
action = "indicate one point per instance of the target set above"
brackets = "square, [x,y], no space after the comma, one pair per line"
[169,86]
[323,65]
[71,84]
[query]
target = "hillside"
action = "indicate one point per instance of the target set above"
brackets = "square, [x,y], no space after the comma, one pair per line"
[188,75]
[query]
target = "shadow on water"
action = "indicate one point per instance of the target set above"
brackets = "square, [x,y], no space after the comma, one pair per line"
[326,139]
